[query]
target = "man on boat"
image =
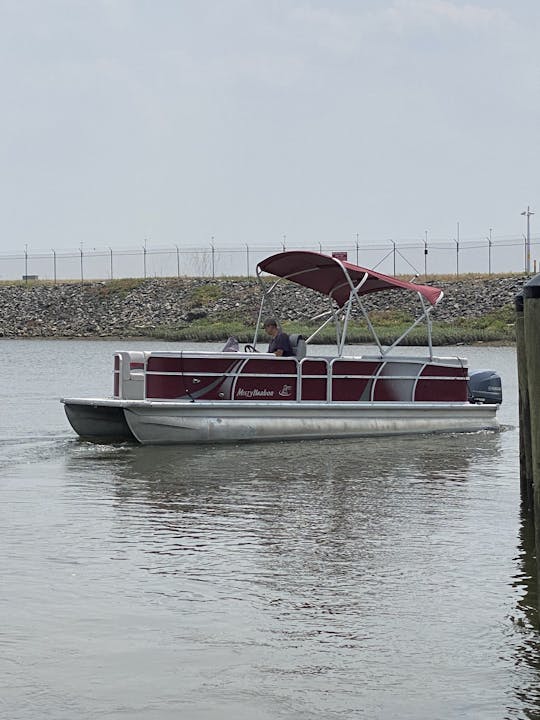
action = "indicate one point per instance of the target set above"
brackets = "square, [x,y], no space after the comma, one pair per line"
[279,344]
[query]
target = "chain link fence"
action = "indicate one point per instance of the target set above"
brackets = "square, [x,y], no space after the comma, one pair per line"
[407,257]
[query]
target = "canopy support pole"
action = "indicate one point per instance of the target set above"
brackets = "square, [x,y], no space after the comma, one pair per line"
[418,320]
[354,294]
[266,295]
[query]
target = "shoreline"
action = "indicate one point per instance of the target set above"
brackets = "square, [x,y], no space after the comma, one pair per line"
[205,310]
[145,338]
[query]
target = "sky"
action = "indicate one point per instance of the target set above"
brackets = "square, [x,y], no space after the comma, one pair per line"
[267,122]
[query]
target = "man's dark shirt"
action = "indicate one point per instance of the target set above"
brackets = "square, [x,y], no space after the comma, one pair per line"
[281,342]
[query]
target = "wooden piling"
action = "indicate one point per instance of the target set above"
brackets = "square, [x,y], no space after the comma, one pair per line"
[525,450]
[531,326]
[531,314]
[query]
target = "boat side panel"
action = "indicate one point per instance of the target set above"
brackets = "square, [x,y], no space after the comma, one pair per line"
[246,378]
[173,378]
[352,379]
[221,378]
[396,381]
[438,383]
[116,376]
[314,379]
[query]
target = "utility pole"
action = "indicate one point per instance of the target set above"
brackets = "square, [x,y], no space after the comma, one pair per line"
[457,249]
[528,214]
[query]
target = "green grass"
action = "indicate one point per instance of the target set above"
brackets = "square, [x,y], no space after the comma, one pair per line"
[117,288]
[206,294]
[495,327]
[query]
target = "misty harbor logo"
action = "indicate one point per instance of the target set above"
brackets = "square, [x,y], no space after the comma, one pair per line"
[255,393]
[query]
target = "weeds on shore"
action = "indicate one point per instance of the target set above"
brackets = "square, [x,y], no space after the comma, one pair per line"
[389,325]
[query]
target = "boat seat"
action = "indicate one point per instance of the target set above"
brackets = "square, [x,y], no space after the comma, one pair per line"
[298,346]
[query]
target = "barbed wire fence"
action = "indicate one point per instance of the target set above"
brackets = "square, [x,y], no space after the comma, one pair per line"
[405,257]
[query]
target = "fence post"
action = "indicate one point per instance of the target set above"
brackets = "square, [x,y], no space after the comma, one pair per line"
[247,259]
[177,261]
[144,258]
[26,263]
[82,267]
[394,255]
[213,258]
[54,265]
[111,252]
[425,255]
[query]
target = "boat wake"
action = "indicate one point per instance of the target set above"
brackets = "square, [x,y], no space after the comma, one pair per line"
[28,450]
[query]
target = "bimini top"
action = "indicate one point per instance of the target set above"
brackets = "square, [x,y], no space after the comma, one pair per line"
[336,278]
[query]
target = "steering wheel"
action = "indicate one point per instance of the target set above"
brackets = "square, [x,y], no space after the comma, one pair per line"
[250,348]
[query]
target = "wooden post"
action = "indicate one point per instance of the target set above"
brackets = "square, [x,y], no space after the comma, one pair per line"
[531,297]
[525,451]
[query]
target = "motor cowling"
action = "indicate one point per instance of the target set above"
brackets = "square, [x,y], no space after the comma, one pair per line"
[485,387]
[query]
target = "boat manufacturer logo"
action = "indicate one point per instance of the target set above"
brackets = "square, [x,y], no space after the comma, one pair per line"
[254,393]
[286,391]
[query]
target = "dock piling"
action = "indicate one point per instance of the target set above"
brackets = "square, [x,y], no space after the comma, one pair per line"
[525,450]
[529,384]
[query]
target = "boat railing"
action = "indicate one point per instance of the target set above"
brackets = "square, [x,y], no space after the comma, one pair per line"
[195,376]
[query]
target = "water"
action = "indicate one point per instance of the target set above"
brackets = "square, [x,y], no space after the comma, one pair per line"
[372,578]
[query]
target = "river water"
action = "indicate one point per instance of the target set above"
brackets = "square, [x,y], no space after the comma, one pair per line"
[375,578]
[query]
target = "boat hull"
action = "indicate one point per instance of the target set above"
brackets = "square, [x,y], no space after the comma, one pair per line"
[171,423]
[98,422]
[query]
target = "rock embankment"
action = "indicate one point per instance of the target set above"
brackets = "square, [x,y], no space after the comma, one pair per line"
[125,308]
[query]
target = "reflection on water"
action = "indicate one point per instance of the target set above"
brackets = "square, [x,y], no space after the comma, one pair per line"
[525,619]
[351,557]
[445,456]
[342,477]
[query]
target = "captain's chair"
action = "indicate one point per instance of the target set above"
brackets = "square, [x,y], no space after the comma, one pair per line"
[298,346]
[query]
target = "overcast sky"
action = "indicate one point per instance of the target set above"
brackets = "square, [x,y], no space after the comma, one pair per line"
[250,120]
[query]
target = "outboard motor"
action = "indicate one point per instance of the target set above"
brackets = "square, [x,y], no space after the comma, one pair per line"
[485,387]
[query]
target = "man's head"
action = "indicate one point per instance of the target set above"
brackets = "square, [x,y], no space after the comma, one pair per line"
[271,327]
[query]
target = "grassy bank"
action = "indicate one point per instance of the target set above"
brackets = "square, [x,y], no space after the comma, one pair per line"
[497,327]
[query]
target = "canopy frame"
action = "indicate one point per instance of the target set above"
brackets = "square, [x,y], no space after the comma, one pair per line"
[350,283]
